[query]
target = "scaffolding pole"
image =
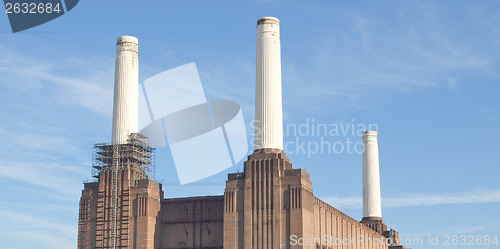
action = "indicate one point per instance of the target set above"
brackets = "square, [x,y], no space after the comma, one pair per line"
[114,196]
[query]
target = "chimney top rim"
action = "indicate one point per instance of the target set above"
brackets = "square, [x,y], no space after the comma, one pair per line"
[127,38]
[370,133]
[268,19]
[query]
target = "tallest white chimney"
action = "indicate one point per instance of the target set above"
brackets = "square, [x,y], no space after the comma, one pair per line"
[125,102]
[268,106]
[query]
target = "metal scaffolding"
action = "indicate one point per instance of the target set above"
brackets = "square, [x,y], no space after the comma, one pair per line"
[133,155]
[136,156]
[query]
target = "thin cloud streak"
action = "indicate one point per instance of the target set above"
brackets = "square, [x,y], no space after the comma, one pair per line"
[50,176]
[449,231]
[414,200]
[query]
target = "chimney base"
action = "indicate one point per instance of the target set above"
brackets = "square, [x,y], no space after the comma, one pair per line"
[375,223]
[267,150]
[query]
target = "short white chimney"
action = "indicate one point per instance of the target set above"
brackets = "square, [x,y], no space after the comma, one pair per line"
[371,176]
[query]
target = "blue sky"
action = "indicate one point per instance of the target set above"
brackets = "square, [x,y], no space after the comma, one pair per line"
[425,72]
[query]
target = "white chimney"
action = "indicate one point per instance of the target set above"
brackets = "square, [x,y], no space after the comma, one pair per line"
[125,106]
[371,176]
[268,106]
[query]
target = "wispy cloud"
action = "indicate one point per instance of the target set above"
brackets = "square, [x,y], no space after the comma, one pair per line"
[42,137]
[25,227]
[51,176]
[49,106]
[369,58]
[45,79]
[40,145]
[50,165]
[412,200]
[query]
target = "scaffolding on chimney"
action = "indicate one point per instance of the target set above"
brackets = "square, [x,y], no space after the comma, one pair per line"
[134,155]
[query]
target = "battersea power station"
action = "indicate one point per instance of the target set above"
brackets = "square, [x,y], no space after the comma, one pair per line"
[270,205]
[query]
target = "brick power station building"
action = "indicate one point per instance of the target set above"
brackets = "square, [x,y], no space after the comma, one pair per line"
[270,205]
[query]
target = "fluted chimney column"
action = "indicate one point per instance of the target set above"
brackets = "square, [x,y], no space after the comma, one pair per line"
[125,106]
[372,206]
[371,176]
[268,103]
